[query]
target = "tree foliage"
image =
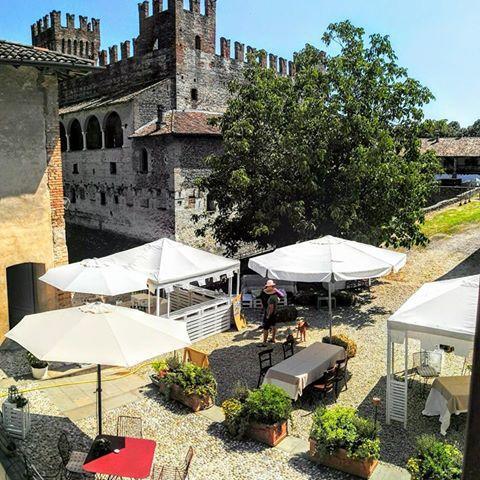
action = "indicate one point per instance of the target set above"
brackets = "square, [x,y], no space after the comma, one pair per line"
[440,128]
[335,151]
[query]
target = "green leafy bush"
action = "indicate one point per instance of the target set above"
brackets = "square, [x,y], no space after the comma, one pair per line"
[344,341]
[193,380]
[268,405]
[435,459]
[36,362]
[160,366]
[341,427]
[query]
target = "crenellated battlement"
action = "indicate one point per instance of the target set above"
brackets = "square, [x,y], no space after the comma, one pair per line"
[82,41]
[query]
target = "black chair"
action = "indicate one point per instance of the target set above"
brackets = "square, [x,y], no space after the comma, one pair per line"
[129,426]
[265,359]
[173,473]
[327,384]
[288,350]
[72,461]
[342,374]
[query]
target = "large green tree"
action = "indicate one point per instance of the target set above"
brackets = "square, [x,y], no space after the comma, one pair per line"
[333,151]
[441,128]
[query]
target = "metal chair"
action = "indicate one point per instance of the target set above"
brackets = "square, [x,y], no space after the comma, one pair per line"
[129,426]
[327,384]
[72,461]
[164,472]
[288,350]
[427,365]
[265,359]
[341,374]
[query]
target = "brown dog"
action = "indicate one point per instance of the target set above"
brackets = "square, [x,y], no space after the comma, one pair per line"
[302,326]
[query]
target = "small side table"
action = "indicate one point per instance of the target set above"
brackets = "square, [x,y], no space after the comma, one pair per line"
[321,300]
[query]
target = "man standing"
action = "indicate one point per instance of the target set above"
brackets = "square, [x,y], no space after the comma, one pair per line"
[269,300]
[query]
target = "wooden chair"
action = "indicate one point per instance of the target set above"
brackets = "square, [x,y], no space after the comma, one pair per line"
[288,349]
[341,374]
[129,426]
[196,357]
[72,461]
[165,472]
[327,384]
[265,360]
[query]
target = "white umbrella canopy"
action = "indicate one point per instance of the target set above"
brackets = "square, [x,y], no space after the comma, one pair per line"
[99,333]
[95,276]
[327,259]
[447,308]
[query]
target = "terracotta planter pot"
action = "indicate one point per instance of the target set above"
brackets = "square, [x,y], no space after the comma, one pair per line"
[194,402]
[271,435]
[340,461]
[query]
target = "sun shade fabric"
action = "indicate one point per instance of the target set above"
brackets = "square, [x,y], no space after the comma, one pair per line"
[166,263]
[95,276]
[327,259]
[445,308]
[99,333]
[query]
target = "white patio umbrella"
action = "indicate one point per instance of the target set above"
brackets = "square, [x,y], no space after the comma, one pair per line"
[327,259]
[95,276]
[101,334]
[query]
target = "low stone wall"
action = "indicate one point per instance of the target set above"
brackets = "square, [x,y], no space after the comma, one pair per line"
[451,201]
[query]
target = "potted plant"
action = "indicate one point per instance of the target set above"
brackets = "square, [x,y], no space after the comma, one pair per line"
[160,369]
[435,459]
[260,414]
[344,341]
[191,385]
[341,439]
[39,367]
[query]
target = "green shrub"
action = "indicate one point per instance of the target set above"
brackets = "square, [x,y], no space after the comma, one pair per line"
[193,380]
[341,427]
[36,362]
[234,418]
[435,459]
[160,366]
[344,341]
[268,404]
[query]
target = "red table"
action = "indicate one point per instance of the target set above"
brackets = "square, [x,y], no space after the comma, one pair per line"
[134,459]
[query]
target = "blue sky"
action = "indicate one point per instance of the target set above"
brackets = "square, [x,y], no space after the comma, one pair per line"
[437,40]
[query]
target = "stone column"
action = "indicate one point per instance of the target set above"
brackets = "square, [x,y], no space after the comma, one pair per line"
[84,136]
[103,139]
[67,136]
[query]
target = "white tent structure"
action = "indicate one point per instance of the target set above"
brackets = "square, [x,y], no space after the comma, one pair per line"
[439,313]
[327,259]
[101,334]
[95,276]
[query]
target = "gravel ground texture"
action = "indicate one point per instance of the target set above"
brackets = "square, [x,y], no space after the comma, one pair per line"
[233,358]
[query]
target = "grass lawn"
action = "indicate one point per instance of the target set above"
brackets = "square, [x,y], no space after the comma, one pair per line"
[451,220]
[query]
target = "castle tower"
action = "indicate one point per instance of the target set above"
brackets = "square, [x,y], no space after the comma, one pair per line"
[170,25]
[83,42]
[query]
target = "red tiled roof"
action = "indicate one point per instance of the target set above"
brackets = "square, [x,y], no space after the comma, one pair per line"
[453,147]
[176,122]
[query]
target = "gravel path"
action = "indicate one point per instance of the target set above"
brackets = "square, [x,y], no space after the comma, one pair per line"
[233,357]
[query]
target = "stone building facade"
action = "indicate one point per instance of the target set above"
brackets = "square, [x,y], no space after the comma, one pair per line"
[136,133]
[32,223]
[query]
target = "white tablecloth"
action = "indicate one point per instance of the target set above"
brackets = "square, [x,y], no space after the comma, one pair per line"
[437,404]
[306,366]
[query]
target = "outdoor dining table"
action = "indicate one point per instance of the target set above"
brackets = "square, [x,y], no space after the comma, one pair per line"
[303,368]
[448,395]
[130,458]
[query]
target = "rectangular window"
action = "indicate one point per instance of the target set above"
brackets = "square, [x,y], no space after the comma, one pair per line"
[113,168]
[192,201]
[103,198]
[75,168]
[115,199]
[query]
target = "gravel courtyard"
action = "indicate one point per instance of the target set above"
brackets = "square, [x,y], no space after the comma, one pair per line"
[233,357]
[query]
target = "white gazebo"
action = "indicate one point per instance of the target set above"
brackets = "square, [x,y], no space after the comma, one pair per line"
[439,313]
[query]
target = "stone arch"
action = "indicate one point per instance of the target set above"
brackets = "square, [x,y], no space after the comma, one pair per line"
[63,45]
[198,42]
[63,138]
[69,47]
[75,47]
[194,94]
[81,48]
[93,133]
[76,135]
[113,130]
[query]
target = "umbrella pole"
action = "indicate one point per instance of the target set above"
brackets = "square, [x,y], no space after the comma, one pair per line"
[158,302]
[330,315]
[99,398]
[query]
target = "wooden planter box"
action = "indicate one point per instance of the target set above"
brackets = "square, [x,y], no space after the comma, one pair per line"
[194,402]
[271,435]
[340,461]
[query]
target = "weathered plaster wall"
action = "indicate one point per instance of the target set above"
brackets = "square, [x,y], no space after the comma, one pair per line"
[31,192]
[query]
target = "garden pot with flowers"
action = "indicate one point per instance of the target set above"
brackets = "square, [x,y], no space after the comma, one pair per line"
[260,414]
[345,441]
